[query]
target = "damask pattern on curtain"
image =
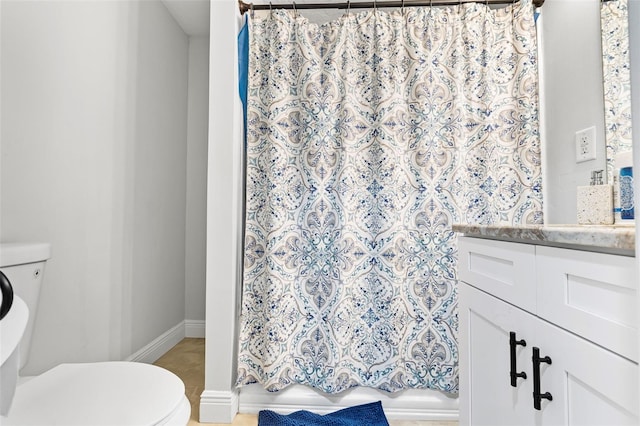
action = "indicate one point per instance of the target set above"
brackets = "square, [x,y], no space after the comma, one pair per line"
[367,138]
[614,21]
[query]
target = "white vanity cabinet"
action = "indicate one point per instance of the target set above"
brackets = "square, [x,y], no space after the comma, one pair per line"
[577,308]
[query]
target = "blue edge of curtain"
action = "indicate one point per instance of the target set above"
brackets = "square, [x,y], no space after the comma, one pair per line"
[243,71]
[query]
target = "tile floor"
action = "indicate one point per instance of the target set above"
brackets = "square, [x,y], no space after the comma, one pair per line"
[186,360]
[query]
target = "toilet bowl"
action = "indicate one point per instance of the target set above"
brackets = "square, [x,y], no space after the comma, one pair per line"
[102,393]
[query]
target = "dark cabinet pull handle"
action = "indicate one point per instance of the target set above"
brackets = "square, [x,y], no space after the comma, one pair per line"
[512,350]
[537,396]
[7,295]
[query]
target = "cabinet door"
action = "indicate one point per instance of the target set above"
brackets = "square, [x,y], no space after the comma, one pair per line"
[593,295]
[590,385]
[505,270]
[486,394]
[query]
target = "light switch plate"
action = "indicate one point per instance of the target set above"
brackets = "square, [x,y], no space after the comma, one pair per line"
[586,145]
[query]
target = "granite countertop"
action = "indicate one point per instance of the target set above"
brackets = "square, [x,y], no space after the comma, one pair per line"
[616,239]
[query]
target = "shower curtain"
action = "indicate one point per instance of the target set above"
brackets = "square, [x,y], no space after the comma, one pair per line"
[614,23]
[367,138]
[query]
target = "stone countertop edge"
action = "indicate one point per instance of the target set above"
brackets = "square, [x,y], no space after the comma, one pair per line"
[615,239]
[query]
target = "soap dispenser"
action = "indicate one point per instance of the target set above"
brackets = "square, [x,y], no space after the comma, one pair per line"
[595,202]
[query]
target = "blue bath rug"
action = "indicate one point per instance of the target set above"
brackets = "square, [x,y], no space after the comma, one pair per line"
[360,415]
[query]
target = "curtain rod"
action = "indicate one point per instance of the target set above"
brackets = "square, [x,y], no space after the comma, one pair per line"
[246,7]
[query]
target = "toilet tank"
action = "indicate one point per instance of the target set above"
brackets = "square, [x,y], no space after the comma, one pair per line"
[23,264]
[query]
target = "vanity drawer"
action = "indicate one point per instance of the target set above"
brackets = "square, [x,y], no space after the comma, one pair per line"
[590,294]
[503,269]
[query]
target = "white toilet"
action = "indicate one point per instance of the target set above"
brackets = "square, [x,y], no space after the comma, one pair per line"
[104,393]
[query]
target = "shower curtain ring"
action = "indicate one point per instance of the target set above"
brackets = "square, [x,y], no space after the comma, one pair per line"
[295,11]
[402,8]
[348,7]
[375,6]
[270,10]
[252,11]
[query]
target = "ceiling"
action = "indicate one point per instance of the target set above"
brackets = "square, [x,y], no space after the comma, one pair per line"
[191,15]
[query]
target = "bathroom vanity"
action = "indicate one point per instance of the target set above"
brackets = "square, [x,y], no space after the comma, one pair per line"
[548,325]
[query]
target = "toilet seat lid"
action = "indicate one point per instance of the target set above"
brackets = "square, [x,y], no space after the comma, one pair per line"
[106,393]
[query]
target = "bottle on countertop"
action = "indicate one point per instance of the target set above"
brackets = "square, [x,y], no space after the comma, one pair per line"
[623,208]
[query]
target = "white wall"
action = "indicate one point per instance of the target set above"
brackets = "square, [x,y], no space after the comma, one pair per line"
[218,402]
[198,127]
[160,158]
[571,100]
[93,160]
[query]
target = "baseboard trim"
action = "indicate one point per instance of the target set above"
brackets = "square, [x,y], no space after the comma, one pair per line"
[407,405]
[160,345]
[194,328]
[218,406]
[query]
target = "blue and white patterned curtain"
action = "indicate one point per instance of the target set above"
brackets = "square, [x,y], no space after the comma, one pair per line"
[367,138]
[614,23]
